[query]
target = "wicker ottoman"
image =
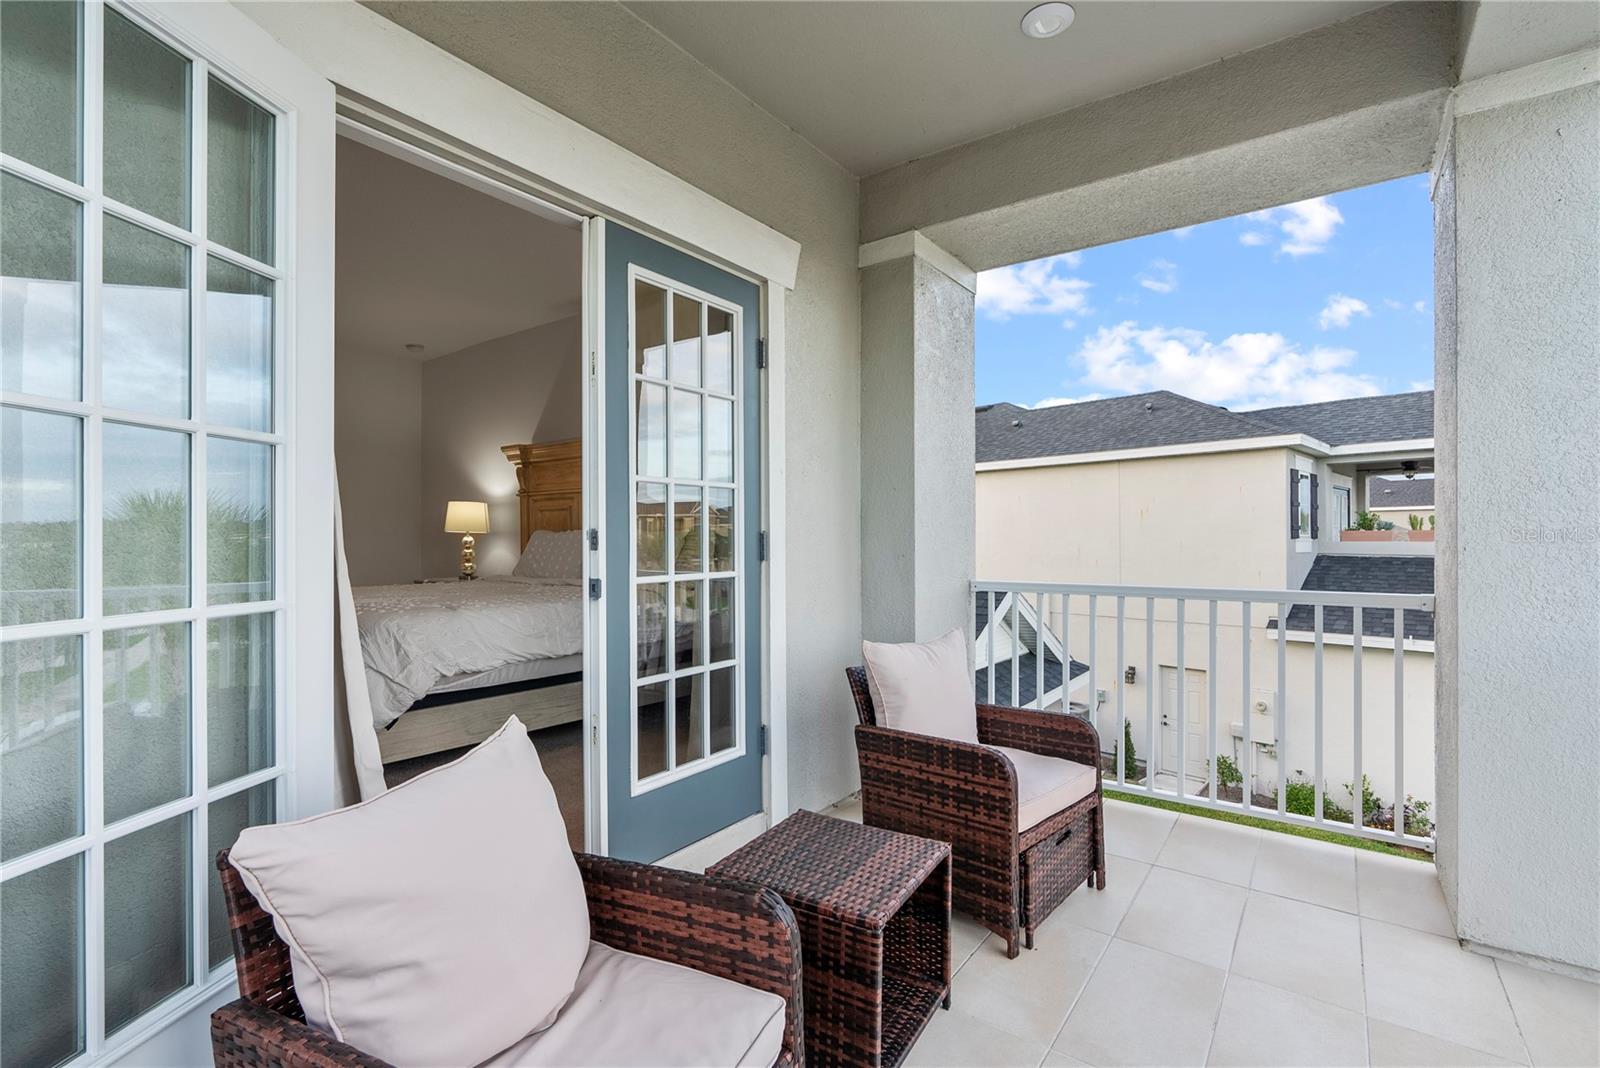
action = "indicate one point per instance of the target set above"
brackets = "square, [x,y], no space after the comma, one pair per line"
[874,913]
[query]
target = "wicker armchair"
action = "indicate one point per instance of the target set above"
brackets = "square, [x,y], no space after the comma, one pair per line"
[724,928]
[967,795]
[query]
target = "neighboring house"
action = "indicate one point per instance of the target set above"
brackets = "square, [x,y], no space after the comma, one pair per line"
[1160,490]
[1398,499]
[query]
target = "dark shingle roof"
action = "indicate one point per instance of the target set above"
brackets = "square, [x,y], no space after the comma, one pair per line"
[1027,671]
[1366,574]
[1400,493]
[1162,418]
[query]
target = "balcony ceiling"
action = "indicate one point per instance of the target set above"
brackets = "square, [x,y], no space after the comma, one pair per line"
[877,84]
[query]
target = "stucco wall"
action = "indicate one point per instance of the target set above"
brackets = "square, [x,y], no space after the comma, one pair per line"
[603,67]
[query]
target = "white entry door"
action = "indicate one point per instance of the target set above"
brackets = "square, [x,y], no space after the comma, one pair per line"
[165,499]
[1194,710]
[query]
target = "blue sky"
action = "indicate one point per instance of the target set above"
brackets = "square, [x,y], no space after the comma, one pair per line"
[1327,298]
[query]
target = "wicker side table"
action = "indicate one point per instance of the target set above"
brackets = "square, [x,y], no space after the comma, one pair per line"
[874,913]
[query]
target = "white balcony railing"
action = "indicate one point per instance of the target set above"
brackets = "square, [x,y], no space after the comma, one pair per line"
[1292,688]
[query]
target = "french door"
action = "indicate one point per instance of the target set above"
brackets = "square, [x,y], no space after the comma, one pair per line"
[149,198]
[682,715]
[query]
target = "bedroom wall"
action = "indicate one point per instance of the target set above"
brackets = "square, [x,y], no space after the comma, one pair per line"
[526,386]
[378,452]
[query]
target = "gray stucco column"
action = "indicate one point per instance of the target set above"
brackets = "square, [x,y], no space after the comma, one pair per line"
[1517,420]
[917,482]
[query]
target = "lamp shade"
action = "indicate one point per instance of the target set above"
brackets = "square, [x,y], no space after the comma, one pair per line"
[466,517]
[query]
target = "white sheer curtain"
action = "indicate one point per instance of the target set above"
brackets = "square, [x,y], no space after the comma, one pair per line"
[361,765]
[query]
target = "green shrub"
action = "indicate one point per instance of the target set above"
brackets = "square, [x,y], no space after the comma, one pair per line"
[1300,798]
[1228,772]
[1366,520]
[1130,762]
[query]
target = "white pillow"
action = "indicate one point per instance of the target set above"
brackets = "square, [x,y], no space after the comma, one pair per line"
[553,555]
[924,688]
[437,923]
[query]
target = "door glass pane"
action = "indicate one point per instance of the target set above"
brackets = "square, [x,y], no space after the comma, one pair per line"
[651,517]
[652,419]
[239,690]
[146,122]
[652,624]
[144,311]
[689,719]
[41,288]
[719,350]
[719,439]
[724,734]
[238,521]
[721,611]
[685,340]
[688,643]
[146,718]
[147,919]
[239,173]
[39,85]
[41,516]
[719,503]
[652,740]
[238,346]
[649,330]
[226,819]
[146,530]
[686,535]
[41,1005]
[41,743]
[685,434]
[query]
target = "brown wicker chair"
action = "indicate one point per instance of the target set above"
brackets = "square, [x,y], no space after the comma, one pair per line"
[967,795]
[724,928]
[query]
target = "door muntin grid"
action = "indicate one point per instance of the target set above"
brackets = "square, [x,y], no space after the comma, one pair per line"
[687,515]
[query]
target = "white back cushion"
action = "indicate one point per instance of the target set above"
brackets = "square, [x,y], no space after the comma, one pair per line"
[924,688]
[554,555]
[437,923]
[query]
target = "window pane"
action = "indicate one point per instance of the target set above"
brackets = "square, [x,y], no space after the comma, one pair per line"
[39,85]
[688,645]
[685,341]
[146,122]
[238,521]
[686,529]
[147,919]
[721,612]
[144,312]
[238,346]
[146,531]
[146,718]
[724,734]
[652,740]
[652,629]
[226,819]
[652,418]
[719,350]
[719,440]
[41,1009]
[239,689]
[41,518]
[719,503]
[651,517]
[689,722]
[685,434]
[41,290]
[649,330]
[41,743]
[239,156]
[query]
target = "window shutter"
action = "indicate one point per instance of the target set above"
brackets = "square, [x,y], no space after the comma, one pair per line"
[1294,503]
[1316,501]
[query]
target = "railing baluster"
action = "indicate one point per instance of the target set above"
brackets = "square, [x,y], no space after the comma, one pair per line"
[1211,708]
[1182,724]
[992,624]
[1094,686]
[1247,760]
[1122,690]
[1040,622]
[1152,679]
[1399,723]
[1066,653]
[1281,715]
[1358,815]
[1316,712]
[1016,646]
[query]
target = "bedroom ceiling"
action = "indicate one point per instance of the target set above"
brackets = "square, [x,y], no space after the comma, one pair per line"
[427,261]
[876,84]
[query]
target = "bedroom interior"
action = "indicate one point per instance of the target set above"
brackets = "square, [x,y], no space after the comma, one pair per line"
[458,424]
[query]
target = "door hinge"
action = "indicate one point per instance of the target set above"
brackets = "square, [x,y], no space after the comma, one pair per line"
[594,589]
[594,539]
[763,739]
[594,364]
[761,353]
[761,545]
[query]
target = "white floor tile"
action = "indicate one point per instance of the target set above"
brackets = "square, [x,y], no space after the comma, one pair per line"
[1392,1046]
[1430,984]
[1136,831]
[1143,1007]
[1217,850]
[955,1040]
[848,809]
[1402,891]
[1263,1025]
[1187,915]
[1102,910]
[1306,948]
[1029,997]
[1559,1016]
[966,935]
[1306,870]
[1061,1060]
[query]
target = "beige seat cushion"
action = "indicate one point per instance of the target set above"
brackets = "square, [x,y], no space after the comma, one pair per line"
[924,688]
[1046,785]
[630,1010]
[437,923]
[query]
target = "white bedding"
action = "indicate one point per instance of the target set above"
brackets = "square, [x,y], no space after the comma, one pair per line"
[414,635]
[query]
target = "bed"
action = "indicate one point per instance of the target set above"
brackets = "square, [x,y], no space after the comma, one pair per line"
[448,662]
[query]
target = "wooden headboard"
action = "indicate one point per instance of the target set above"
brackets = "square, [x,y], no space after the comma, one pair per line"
[549,486]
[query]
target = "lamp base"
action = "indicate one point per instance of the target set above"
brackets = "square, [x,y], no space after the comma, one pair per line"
[469,566]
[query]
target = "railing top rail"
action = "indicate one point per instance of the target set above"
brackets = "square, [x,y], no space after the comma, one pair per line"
[1345,598]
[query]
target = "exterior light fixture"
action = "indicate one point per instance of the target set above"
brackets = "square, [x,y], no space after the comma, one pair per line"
[1130,675]
[1047,20]
[1410,468]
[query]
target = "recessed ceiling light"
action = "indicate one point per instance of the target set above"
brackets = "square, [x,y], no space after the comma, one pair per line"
[1047,20]
[414,347]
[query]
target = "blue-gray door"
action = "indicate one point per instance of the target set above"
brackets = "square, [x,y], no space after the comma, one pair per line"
[682,569]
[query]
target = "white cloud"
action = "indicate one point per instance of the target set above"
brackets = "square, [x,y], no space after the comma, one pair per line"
[1051,402]
[1392,304]
[1421,385]
[1253,237]
[1037,288]
[1241,371]
[1307,225]
[1420,306]
[1340,309]
[1161,278]
[1182,232]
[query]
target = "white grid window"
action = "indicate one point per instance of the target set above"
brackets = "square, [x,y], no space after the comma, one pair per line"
[141,533]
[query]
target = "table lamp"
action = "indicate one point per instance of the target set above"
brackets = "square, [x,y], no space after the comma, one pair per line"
[467,518]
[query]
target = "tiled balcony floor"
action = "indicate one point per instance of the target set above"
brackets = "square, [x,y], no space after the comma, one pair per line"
[1218,944]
